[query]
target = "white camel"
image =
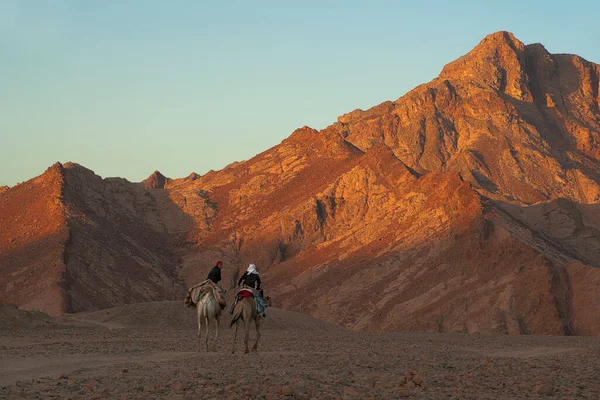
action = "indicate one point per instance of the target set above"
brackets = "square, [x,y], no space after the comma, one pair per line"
[205,297]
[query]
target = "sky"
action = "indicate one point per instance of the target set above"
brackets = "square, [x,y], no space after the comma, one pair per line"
[126,87]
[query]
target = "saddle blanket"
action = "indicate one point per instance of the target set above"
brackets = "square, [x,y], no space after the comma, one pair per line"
[260,302]
[243,293]
[260,305]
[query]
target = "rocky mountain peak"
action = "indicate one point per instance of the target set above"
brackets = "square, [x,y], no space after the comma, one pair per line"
[497,63]
[193,176]
[156,181]
[498,40]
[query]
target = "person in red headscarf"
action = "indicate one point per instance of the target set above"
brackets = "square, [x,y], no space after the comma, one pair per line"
[215,273]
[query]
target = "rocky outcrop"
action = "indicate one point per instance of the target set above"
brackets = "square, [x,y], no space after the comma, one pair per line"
[156,181]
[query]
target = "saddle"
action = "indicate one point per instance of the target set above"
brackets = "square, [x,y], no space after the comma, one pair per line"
[245,292]
[202,289]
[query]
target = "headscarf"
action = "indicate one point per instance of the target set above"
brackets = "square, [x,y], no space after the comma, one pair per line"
[252,269]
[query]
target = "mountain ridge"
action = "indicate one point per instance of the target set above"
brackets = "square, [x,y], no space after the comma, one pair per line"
[468,204]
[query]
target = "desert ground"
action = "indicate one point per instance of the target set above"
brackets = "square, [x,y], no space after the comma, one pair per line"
[148,351]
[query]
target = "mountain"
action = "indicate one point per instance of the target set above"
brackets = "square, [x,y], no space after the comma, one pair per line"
[470,204]
[517,122]
[73,241]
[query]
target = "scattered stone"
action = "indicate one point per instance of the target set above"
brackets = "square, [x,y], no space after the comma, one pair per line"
[177,386]
[230,388]
[417,380]
[274,389]
[544,389]
[286,390]
[350,391]
[301,396]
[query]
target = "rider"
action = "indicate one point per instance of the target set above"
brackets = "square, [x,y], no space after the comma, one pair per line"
[251,278]
[214,276]
[215,273]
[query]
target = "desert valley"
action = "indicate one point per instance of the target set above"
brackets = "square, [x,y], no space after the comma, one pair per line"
[442,245]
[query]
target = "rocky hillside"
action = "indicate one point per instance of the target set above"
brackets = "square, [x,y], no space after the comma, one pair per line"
[32,244]
[469,204]
[73,241]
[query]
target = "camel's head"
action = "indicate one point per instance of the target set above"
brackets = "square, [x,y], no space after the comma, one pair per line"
[268,301]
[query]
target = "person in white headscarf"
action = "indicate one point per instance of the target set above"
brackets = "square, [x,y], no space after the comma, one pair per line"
[251,278]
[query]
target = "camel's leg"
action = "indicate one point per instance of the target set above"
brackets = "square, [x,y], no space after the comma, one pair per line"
[234,336]
[207,332]
[199,333]
[214,348]
[255,347]
[247,335]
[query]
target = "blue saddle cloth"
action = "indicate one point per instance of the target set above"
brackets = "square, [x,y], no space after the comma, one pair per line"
[260,305]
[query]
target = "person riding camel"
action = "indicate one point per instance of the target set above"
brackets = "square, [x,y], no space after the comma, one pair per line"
[250,279]
[215,273]
[212,284]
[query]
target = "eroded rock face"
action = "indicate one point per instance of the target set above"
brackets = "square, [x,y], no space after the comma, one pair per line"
[119,249]
[156,181]
[469,204]
[514,120]
[74,242]
[33,239]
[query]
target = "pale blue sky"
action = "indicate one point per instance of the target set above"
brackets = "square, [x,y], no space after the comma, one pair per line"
[129,86]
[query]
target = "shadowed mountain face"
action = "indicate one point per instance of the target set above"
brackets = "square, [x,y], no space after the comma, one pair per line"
[73,241]
[469,204]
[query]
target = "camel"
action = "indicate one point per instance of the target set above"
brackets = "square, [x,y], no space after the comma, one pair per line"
[245,309]
[205,297]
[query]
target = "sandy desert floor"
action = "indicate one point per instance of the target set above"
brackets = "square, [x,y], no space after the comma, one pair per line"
[147,351]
